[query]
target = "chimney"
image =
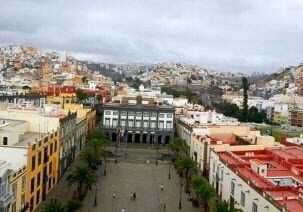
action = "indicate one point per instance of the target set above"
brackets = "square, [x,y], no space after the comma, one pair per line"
[139,99]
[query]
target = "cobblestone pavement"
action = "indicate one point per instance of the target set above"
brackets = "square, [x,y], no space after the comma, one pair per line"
[131,174]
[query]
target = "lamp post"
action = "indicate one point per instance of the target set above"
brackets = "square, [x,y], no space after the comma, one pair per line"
[116,160]
[169,176]
[104,164]
[157,155]
[96,191]
[180,203]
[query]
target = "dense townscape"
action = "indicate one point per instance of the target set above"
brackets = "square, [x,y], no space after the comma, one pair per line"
[235,140]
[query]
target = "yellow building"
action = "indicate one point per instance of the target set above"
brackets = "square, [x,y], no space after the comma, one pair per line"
[18,188]
[43,168]
[62,99]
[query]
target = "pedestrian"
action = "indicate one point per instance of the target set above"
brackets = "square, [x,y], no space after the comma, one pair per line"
[161,203]
[134,195]
[122,210]
[114,195]
[162,187]
[164,206]
[131,195]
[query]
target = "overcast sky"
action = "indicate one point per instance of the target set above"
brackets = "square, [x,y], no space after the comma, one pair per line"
[226,35]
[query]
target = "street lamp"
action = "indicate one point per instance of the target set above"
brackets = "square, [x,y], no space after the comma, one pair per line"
[116,160]
[157,155]
[96,191]
[180,203]
[169,176]
[104,164]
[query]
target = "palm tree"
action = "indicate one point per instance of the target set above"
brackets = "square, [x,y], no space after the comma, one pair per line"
[91,157]
[70,206]
[81,176]
[203,190]
[187,168]
[73,205]
[53,207]
[177,146]
[224,206]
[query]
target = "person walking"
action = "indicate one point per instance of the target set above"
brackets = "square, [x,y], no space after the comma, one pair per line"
[114,195]
[131,195]
[134,196]
[162,187]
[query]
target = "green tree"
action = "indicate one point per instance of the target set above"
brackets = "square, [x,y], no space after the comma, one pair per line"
[223,206]
[177,146]
[53,207]
[187,168]
[84,79]
[245,99]
[73,205]
[81,176]
[91,157]
[203,190]
[81,96]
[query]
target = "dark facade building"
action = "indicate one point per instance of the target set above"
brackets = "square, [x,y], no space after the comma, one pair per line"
[138,123]
[35,99]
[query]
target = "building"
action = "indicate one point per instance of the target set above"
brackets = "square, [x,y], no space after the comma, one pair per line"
[259,180]
[39,152]
[18,188]
[6,196]
[35,99]
[296,117]
[138,120]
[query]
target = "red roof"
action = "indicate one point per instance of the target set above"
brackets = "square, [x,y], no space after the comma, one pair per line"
[282,163]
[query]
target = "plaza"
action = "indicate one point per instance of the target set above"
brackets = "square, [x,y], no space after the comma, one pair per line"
[135,173]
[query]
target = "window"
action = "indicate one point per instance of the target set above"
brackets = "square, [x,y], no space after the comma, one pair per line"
[39,158]
[214,167]
[232,188]
[50,167]
[153,124]
[131,113]
[123,113]
[138,114]
[14,207]
[130,123]
[254,207]
[146,114]
[169,115]
[161,115]
[33,162]
[14,189]
[38,179]
[154,115]
[5,141]
[32,185]
[138,123]
[168,125]
[51,149]
[22,201]
[123,123]
[37,197]
[23,182]
[107,121]
[115,122]
[161,124]
[55,146]
[145,124]
[107,112]
[115,113]
[242,198]
[32,204]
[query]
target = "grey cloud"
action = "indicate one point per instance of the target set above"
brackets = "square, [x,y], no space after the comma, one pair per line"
[226,35]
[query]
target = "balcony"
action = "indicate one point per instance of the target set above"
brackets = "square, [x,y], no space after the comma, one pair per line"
[133,128]
[6,200]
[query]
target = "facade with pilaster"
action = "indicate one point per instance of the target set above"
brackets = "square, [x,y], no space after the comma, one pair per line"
[138,123]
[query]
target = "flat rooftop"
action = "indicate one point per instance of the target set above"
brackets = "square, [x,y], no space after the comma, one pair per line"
[29,137]
[284,172]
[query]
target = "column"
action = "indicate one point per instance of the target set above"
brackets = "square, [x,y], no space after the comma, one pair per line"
[148,141]
[133,138]
[163,139]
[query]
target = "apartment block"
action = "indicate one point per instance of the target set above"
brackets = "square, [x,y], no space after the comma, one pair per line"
[6,196]
[259,180]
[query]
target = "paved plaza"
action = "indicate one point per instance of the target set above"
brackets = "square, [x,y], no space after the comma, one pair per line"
[132,174]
